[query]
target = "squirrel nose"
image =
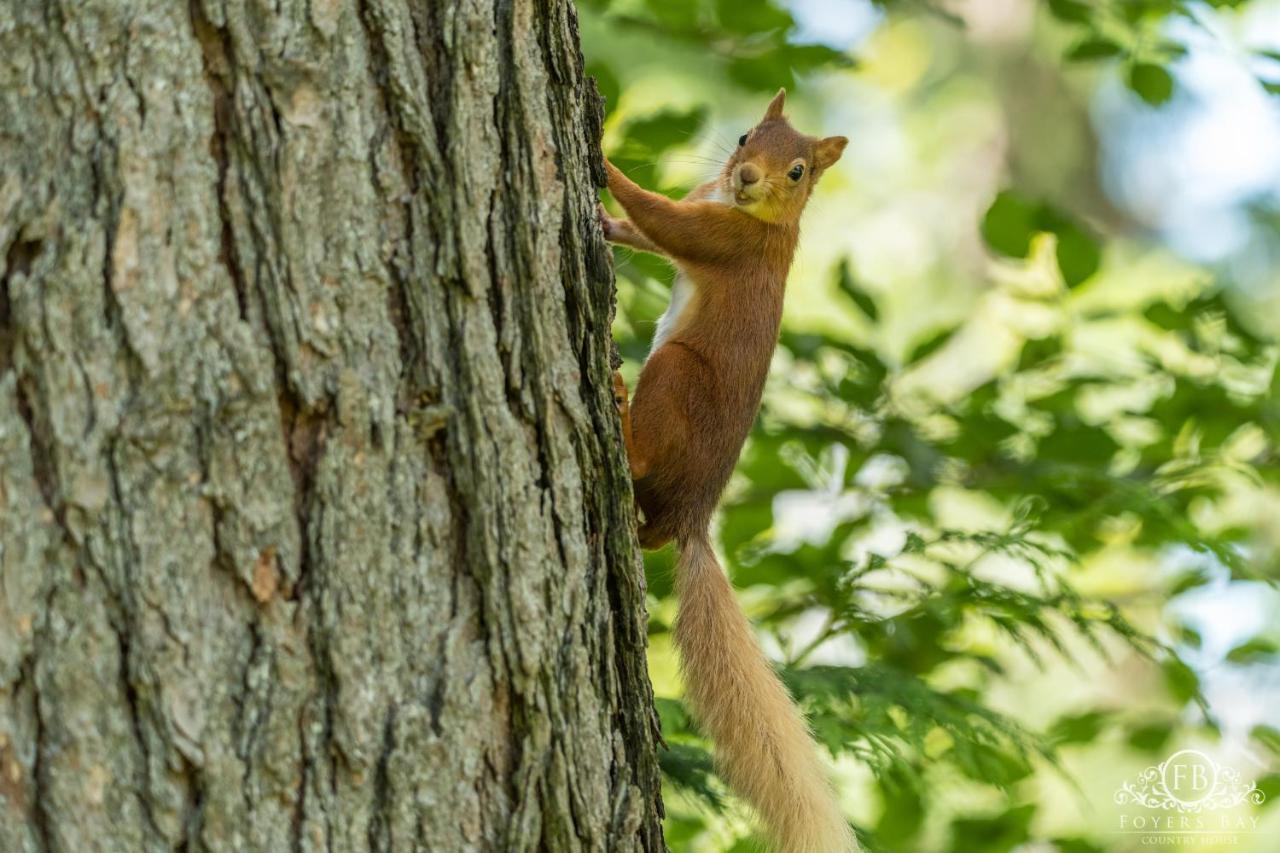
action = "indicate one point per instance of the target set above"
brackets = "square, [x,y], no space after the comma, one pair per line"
[748,173]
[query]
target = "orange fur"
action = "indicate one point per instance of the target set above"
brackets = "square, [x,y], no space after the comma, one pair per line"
[733,240]
[763,746]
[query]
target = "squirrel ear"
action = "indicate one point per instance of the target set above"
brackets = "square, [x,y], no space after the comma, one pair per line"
[828,151]
[775,106]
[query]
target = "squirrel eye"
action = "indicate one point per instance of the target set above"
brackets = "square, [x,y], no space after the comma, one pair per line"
[796,173]
[742,140]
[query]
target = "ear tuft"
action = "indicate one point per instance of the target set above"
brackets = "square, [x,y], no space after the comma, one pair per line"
[775,106]
[828,151]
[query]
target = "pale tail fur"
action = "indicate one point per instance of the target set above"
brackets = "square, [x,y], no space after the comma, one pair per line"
[762,745]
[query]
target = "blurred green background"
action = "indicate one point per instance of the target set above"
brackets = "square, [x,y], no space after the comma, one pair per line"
[1009,520]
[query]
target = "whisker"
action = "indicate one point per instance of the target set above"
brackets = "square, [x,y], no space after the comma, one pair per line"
[707,169]
[719,142]
[716,135]
[635,166]
[696,158]
[706,137]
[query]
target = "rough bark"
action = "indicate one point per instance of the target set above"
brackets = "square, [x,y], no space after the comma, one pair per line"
[315,531]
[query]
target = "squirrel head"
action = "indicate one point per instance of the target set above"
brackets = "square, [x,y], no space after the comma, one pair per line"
[774,168]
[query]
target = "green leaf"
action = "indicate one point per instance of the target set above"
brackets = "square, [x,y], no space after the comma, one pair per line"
[997,834]
[1162,314]
[803,346]
[674,718]
[1037,351]
[1150,737]
[930,345]
[1012,221]
[1151,82]
[1094,47]
[661,130]
[1078,728]
[1181,680]
[691,769]
[1269,785]
[1256,650]
[811,57]
[1078,254]
[743,521]
[1134,11]
[849,287]
[1075,443]
[904,812]
[1009,224]
[751,18]
[678,15]
[1268,736]
[1071,11]
[996,766]
[761,75]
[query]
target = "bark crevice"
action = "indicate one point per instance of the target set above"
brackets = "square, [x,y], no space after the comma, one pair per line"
[218,73]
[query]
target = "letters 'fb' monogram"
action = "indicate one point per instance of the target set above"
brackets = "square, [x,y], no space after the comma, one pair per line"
[1189,782]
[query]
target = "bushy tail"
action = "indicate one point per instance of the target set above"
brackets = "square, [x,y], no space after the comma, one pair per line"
[762,744]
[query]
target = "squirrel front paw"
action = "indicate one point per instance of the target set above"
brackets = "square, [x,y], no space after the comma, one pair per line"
[608,224]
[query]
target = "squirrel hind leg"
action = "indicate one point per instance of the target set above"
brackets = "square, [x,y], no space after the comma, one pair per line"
[635,459]
[653,538]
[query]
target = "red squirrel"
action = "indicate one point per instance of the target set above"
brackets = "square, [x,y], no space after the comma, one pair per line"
[732,240]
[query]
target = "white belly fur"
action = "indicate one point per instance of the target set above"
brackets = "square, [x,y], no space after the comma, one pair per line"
[681,296]
[682,290]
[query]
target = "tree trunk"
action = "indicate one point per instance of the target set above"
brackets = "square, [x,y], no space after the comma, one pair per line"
[315,529]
